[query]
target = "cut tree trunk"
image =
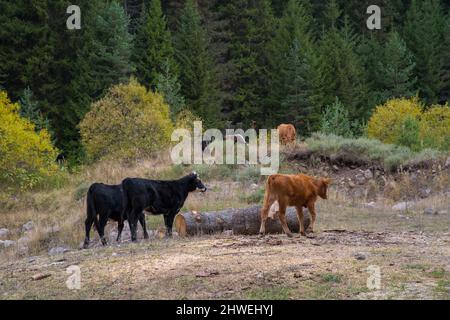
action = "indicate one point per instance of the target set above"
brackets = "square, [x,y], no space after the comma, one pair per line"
[241,221]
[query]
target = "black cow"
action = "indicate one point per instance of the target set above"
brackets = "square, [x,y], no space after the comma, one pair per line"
[157,197]
[106,202]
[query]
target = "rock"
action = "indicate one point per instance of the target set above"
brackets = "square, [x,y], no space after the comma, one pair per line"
[335,168]
[360,179]
[401,206]
[4,233]
[351,184]
[254,186]
[447,163]
[443,212]
[370,204]
[430,211]
[368,174]
[227,232]
[424,192]
[57,250]
[6,243]
[28,226]
[23,244]
[360,256]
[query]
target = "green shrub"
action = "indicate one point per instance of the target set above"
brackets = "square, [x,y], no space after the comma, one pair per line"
[256,196]
[408,135]
[128,122]
[336,120]
[390,156]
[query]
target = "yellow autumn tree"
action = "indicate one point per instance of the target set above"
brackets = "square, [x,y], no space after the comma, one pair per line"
[435,127]
[127,122]
[390,120]
[27,157]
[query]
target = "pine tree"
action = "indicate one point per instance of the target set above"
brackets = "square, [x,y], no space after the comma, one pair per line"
[169,86]
[197,76]
[290,69]
[250,25]
[109,51]
[424,35]
[340,67]
[296,104]
[396,70]
[445,71]
[29,108]
[152,45]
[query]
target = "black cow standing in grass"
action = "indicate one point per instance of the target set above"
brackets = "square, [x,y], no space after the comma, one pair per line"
[157,197]
[105,202]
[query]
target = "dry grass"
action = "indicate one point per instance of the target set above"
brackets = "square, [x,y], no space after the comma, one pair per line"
[410,247]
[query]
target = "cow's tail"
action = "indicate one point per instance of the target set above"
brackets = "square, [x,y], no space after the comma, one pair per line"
[126,201]
[268,195]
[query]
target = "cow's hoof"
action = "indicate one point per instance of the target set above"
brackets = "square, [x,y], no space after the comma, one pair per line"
[146,237]
[290,235]
[85,246]
[303,233]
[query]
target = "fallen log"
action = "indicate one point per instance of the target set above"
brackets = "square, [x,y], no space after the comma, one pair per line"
[241,221]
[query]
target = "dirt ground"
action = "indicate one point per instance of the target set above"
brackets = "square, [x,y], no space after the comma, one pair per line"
[411,250]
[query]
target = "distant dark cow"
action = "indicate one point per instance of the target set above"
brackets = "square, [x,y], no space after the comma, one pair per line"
[157,197]
[106,202]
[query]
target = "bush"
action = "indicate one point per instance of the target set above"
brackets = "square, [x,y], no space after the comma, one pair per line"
[387,123]
[408,136]
[128,122]
[403,122]
[336,120]
[27,157]
[435,128]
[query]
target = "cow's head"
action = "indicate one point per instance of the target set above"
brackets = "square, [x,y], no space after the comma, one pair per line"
[195,183]
[323,187]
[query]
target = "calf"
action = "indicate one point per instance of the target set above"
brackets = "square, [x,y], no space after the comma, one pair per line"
[157,197]
[292,190]
[286,133]
[106,202]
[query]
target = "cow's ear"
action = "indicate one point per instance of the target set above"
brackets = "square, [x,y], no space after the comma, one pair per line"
[327,181]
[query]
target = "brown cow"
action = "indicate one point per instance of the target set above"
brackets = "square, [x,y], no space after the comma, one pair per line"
[292,190]
[286,133]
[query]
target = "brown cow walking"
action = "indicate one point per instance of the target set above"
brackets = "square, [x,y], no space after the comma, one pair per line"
[293,190]
[286,133]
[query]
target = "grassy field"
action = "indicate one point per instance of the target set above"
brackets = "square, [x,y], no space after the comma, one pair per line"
[411,248]
[412,252]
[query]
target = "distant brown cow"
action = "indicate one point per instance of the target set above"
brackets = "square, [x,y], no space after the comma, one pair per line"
[292,190]
[286,133]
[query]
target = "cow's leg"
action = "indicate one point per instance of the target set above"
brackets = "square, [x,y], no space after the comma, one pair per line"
[168,221]
[300,220]
[120,225]
[282,215]
[312,211]
[144,227]
[101,229]
[88,224]
[268,201]
[132,221]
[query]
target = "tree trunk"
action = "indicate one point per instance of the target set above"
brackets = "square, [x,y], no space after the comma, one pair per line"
[241,221]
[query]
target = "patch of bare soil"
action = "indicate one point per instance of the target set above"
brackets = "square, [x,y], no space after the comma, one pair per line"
[331,264]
